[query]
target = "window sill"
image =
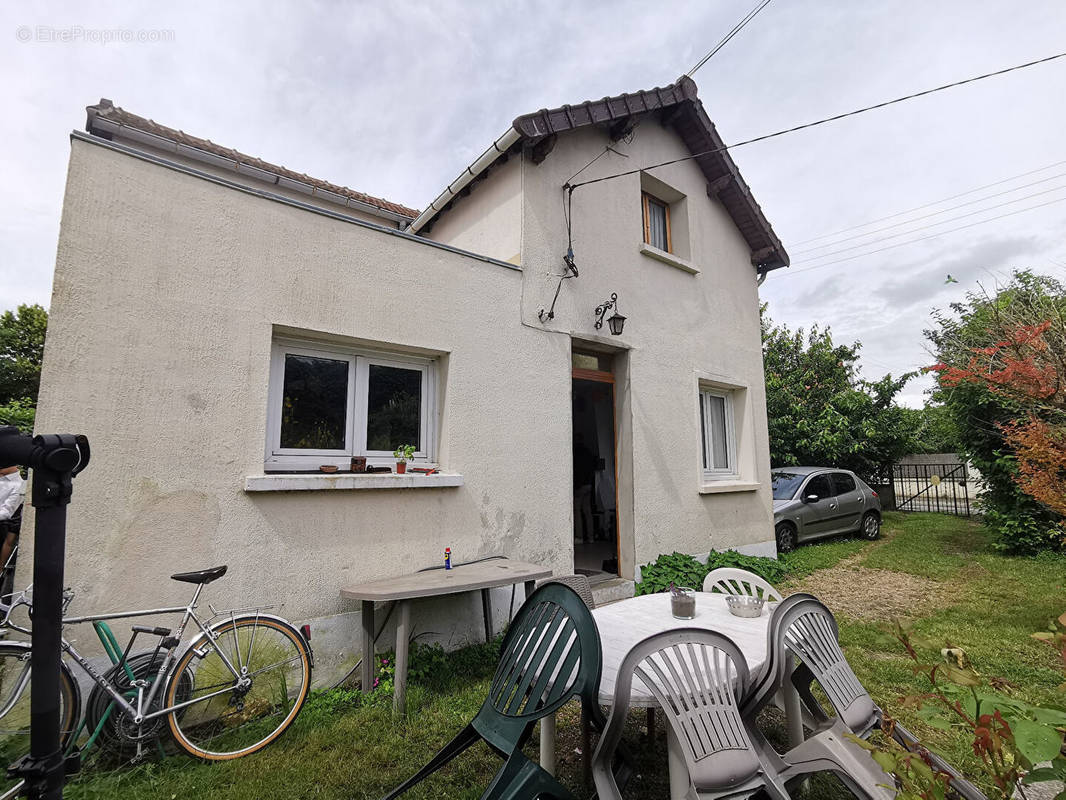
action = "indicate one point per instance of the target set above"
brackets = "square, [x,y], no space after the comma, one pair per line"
[721,487]
[346,481]
[669,258]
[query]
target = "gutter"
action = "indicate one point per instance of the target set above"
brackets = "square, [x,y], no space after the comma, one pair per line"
[482,163]
[131,133]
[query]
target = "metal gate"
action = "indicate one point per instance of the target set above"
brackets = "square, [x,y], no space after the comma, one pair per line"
[940,488]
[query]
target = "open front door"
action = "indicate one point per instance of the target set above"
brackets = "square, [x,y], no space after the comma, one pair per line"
[595,473]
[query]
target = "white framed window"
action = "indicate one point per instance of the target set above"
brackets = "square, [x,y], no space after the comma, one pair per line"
[717,428]
[328,403]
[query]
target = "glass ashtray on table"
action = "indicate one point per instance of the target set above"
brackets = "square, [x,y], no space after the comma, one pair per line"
[683,602]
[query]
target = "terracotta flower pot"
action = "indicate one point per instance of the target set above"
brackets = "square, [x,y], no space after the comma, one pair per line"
[401,467]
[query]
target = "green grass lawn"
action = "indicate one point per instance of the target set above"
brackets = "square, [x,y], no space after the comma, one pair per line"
[346,746]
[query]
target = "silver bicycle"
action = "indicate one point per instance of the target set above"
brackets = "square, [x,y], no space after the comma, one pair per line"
[230,691]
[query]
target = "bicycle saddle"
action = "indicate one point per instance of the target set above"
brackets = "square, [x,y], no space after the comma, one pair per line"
[201,576]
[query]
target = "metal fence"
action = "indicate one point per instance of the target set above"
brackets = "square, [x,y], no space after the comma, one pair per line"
[940,488]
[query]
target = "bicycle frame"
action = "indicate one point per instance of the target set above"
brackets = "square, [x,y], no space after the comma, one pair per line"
[137,712]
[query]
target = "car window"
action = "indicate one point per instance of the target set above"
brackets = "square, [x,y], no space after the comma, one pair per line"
[843,483]
[818,485]
[785,484]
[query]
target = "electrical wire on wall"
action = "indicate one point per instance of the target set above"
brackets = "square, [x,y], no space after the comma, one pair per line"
[569,263]
[568,204]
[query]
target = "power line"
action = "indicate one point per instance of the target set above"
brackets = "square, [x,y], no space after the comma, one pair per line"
[933,203]
[728,36]
[934,224]
[923,238]
[927,216]
[823,121]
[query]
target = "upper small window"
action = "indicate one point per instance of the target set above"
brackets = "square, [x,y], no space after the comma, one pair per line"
[719,438]
[656,223]
[329,403]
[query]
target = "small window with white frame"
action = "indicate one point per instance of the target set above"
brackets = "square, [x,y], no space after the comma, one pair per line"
[719,456]
[328,403]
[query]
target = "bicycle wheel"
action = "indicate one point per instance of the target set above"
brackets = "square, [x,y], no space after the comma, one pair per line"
[228,717]
[15,706]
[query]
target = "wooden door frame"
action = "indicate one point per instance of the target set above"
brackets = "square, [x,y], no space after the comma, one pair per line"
[602,376]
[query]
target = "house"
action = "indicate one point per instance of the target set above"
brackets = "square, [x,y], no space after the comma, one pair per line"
[222,327]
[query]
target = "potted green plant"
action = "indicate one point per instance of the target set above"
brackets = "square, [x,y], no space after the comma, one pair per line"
[403,454]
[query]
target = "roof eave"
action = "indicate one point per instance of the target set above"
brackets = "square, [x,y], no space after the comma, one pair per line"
[481,164]
[679,104]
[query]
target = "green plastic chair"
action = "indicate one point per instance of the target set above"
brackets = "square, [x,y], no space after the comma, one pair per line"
[551,654]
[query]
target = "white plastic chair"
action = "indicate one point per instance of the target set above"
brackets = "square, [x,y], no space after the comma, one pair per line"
[812,636]
[729,580]
[803,627]
[698,677]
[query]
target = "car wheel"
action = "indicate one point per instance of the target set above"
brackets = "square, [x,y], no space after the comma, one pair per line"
[871,527]
[786,537]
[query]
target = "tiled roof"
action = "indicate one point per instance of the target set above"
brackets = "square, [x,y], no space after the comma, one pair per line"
[677,106]
[106,110]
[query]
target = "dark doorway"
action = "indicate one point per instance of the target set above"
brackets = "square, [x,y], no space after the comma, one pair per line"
[595,480]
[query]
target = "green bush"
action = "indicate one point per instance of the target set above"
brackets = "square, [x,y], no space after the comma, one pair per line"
[769,569]
[684,570]
[676,568]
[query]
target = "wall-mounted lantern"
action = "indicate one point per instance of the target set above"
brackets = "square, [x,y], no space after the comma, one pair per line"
[616,321]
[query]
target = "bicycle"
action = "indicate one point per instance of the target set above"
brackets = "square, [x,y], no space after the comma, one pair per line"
[219,696]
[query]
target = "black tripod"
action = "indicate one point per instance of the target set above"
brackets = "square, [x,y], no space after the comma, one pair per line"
[55,459]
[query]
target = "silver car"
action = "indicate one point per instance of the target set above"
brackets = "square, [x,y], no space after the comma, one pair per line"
[812,502]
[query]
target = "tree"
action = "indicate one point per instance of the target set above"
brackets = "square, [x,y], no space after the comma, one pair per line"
[1002,374]
[935,429]
[821,412]
[22,335]
[21,352]
[19,413]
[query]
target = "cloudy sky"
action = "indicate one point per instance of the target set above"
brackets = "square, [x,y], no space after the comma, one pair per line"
[394,98]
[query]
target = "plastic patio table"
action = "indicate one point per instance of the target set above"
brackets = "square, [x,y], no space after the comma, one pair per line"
[482,575]
[625,623]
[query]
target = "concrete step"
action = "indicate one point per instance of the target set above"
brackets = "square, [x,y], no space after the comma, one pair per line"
[610,591]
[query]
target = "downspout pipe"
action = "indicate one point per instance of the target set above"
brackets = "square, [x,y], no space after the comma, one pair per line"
[483,162]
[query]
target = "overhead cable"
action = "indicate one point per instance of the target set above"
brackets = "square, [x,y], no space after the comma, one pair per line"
[822,121]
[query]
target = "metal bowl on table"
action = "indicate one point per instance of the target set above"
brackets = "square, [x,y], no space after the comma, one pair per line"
[742,606]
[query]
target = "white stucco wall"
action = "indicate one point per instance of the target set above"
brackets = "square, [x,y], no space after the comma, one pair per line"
[489,219]
[166,291]
[682,328]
